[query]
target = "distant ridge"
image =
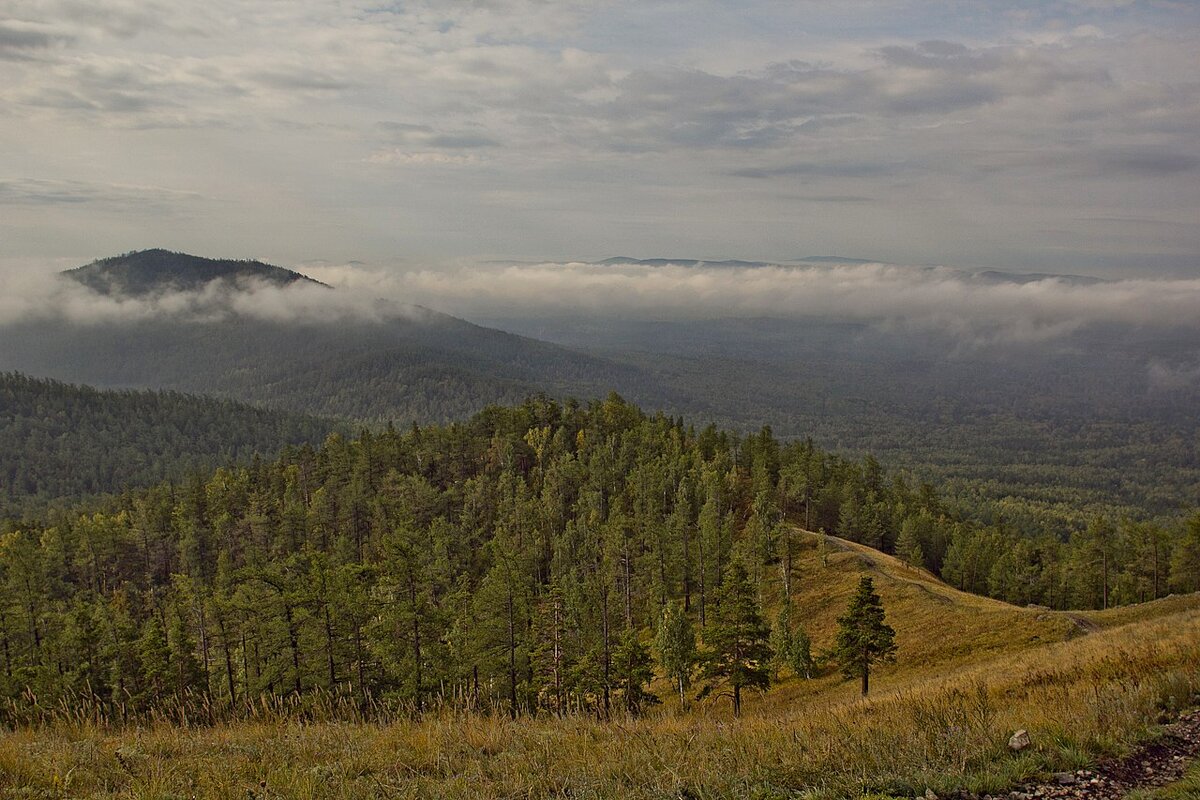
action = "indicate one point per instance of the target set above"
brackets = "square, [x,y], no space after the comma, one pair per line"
[156,270]
[838,260]
[997,276]
[679,262]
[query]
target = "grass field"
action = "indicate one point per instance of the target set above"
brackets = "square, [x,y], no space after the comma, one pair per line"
[969,672]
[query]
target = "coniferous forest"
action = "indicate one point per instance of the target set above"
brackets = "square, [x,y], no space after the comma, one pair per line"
[60,442]
[519,561]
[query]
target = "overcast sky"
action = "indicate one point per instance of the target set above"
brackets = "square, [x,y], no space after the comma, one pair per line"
[1058,136]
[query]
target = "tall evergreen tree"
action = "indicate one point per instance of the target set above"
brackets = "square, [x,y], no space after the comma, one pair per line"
[738,651]
[863,638]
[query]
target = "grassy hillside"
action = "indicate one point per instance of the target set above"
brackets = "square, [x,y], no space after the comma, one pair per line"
[970,671]
[938,627]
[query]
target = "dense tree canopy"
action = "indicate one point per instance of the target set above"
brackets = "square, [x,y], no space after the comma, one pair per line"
[63,442]
[521,561]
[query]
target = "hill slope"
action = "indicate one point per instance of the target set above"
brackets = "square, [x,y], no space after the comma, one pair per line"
[940,630]
[65,442]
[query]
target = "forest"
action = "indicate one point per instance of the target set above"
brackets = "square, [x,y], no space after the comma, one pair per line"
[536,557]
[60,443]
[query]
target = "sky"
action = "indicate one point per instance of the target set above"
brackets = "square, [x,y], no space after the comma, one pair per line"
[1040,136]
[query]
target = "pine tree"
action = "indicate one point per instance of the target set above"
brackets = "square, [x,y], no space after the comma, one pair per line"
[908,544]
[793,647]
[154,659]
[676,643]
[863,638]
[187,674]
[781,638]
[738,650]
[800,658]
[634,669]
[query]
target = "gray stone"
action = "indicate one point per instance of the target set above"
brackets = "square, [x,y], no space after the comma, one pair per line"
[1019,741]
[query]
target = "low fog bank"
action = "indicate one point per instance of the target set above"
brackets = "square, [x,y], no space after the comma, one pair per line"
[978,309]
[981,308]
[38,296]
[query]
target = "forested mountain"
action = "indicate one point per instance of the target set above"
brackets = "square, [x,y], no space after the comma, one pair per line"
[402,363]
[65,442]
[149,271]
[518,560]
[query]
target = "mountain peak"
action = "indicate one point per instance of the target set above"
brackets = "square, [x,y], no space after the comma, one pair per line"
[156,270]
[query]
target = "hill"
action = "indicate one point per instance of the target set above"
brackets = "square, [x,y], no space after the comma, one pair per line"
[398,362]
[61,442]
[484,597]
[156,270]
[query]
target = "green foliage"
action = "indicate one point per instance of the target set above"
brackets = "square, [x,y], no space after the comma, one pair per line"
[676,644]
[634,669]
[792,645]
[60,442]
[738,651]
[863,637]
[507,563]
[1185,563]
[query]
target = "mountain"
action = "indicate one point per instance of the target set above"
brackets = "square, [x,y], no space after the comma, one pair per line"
[153,271]
[401,362]
[61,442]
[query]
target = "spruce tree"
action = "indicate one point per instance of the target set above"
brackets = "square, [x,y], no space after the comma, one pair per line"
[863,638]
[739,653]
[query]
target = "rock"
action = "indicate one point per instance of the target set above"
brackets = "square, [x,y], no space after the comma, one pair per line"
[930,795]
[1065,778]
[1019,741]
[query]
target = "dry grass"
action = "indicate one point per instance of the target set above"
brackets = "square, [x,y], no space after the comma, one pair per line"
[971,671]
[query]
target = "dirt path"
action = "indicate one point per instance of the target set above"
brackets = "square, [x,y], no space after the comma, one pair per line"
[1152,765]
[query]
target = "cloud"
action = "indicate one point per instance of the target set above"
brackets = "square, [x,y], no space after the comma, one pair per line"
[33,295]
[988,307]
[22,42]
[621,126]
[1167,376]
[396,157]
[32,192]
[819,170]
[972,309]
[1149,162]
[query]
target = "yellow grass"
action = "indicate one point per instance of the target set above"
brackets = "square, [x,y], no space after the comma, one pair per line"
[970,671]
